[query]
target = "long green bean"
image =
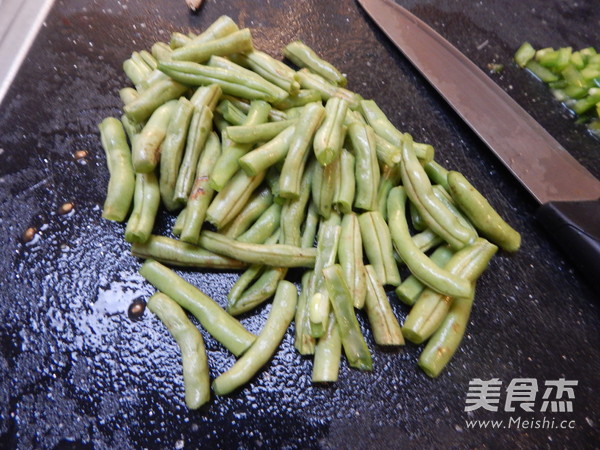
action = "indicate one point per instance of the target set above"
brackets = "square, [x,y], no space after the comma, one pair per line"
[252,134]
[150,99]
[196,379]
[280,317]
[268,154]
[270,69]
[303,56]
[237,42]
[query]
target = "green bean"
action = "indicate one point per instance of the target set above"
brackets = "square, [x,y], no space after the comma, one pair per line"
[303,56]
[293,166]
[390,177]
[228,163]
[437,174]
[270,69]
[146,200]
[147,57]
[387,153]
[196,379]
[311,223]
[345,187]
[419,264]
[135,72]
[385,326]
[128,94]
[221,27]
[416,218]
[328,354]
[327,250]
[171,152]
[350,255]
[208,96]
[258,203]
[237,42]
[444,343]
[366,166]
[233,82]
[411,288]
[132,129]
[293,211]
[178,225]
[278,255]
[280,317]
[353,341]
[243,105]
[150,99]
[200,129]
[260,291]
[250,274]
[253,134]
[435,213]
[265,225]
[178,40]
[272,179]
[481,213]
[178,253]
[426,240]
[121,184]
[231,113]
[268,154]
[377,243]
[161,51]
[431,307]
[382,126]
[303,341]
[323,187]
[201,194]
[328,140]
[312,81]
[300,98]
[232,198]
[444,197]
[145,152]
[223,327]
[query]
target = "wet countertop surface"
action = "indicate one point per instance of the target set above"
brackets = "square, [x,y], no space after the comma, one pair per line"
[77,372]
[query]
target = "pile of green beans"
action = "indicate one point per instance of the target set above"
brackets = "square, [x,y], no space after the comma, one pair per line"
[282,173]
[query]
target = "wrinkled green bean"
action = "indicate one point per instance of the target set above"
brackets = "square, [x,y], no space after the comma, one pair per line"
[268,154]
[257,204]
[384,324]
[328,140]
[350,255]
[150,99]
[328,354]
[146,200]
[303,56]
[377,243]
[366,170]
[239,41]
[345,187]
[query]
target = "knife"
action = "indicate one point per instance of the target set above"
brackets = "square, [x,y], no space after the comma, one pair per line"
[569,195]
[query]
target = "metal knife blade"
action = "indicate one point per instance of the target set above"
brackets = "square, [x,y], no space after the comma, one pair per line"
[542,165]
[568,192]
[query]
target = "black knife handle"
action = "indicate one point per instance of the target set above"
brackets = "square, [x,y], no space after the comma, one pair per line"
[576,228]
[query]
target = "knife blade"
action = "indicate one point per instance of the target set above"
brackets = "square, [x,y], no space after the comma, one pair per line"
[568,193]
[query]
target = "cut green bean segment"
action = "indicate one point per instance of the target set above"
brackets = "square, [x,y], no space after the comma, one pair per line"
[253,134]
[171,152]
[221,27]
[146,200]
[483,216]
[150,99]
[384,324]
[313,81]
[328,354]
[223,327]
[353,341]
[237,42]
[293,212]
[121,185]
[178,225]
[268,154]
[300,98]
[377,243]
[350,255]
[328,140]
[366,170]
[263,289]
[435,214]
[178,40]
[411,288]
[310,226]
[431,307]
[265,226]
[132,129]
[387,153]
[345,186]
[278,255]
[161,51]
[426,240]
[177,253]
[270,69]
[135,71]
[303,56]
[280,317]
[200,129]
[257,204]
[196,379]
[447,200]
[382,126]
[303,341]
[420,265]
[390,177]
[208,96]
[145,152]
[323,187]
[524,54]
[297,156]
[231,113]
[128,94]
[201,194]
[437,174]
[444,343]
[228,163]
[228,203]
